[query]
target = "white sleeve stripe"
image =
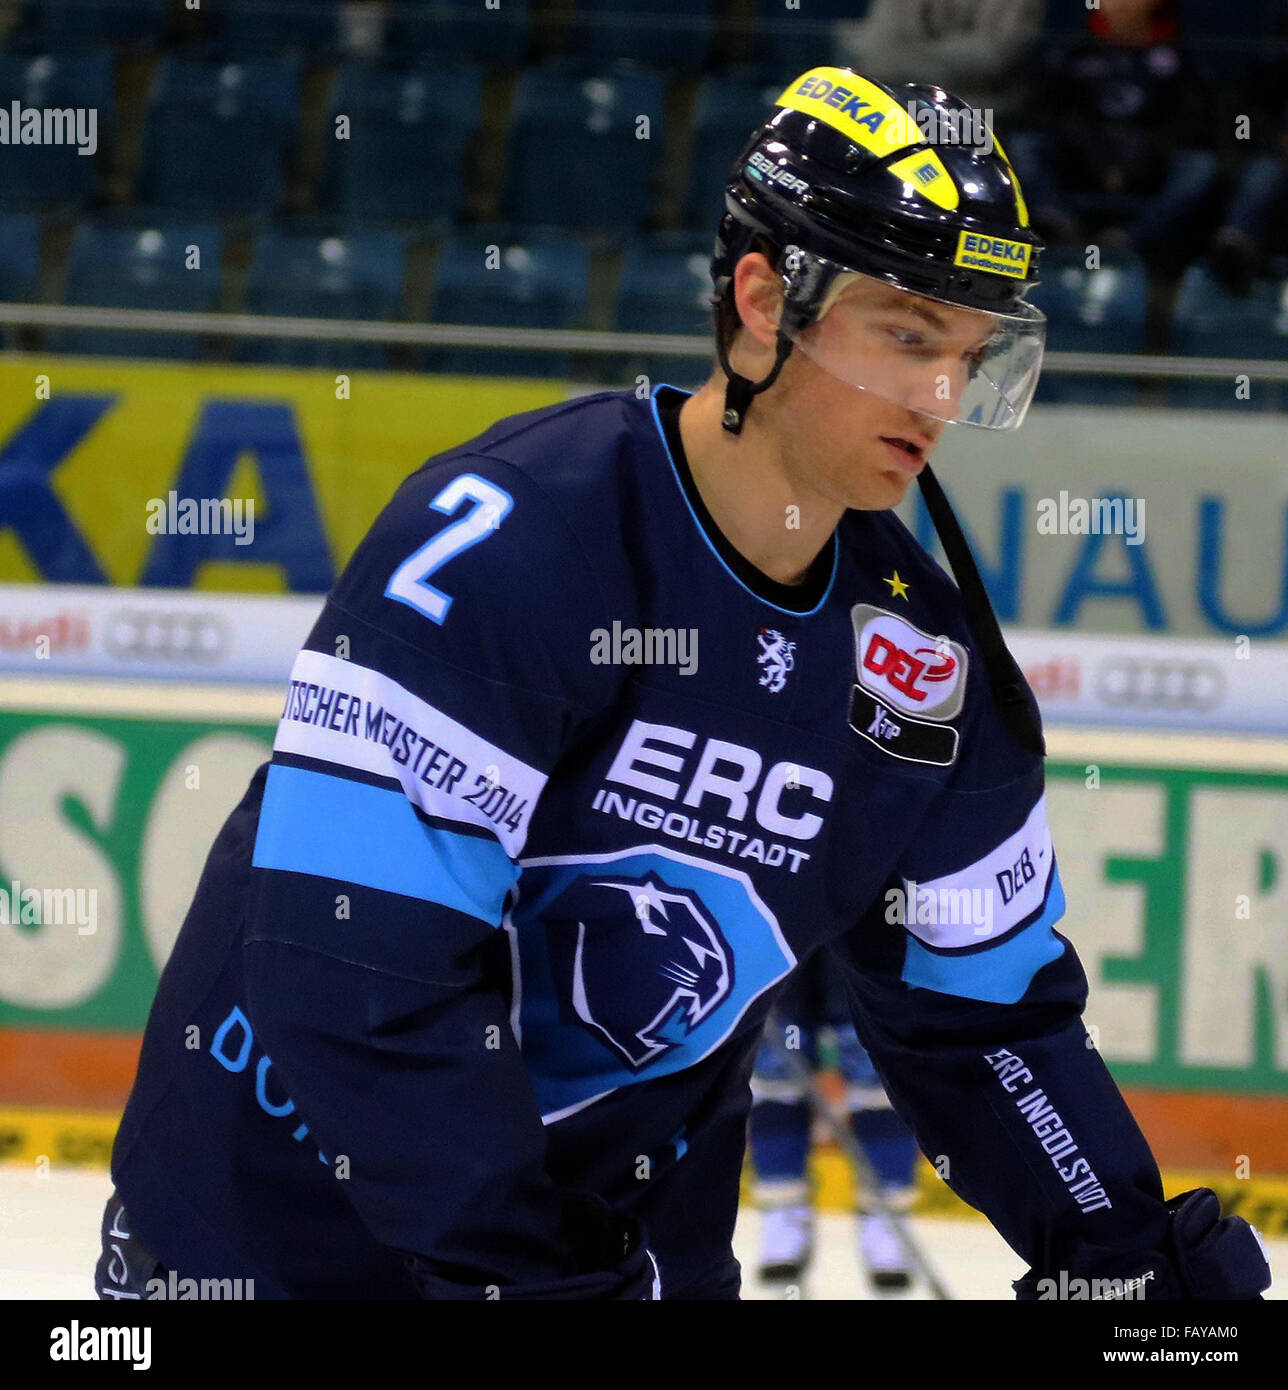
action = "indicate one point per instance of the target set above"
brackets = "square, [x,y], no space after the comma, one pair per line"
[354,717]
[988,898]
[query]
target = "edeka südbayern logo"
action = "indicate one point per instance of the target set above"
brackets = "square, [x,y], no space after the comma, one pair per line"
[998,254]
[47,125]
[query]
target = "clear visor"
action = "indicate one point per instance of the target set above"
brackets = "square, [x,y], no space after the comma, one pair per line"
[963,366]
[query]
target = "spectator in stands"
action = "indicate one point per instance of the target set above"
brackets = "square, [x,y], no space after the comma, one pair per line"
[976,48]
[1120,147]
[1253,227]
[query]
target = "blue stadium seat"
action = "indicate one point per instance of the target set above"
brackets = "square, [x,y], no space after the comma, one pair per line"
[790,42]
[727,110]
[355,276]
[19,264]
[537,281]
[665,287]
[1208,322]
[144,266]
[218,135]
[674,37]
[573,157]
[409,133]
[256,27]
[444,31]
[1091,311]
[69,23]
[56,175]
[19,256]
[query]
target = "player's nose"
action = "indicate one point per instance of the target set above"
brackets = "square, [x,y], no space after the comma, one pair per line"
[922,430]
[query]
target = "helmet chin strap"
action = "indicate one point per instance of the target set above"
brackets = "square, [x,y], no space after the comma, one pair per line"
[739,390]
[1019,712]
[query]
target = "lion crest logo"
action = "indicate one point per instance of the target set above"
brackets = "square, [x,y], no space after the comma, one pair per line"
[777,656]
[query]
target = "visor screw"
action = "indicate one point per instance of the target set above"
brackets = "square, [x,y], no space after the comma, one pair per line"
[729,419]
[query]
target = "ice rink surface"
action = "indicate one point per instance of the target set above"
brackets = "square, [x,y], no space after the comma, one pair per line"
[49,1243]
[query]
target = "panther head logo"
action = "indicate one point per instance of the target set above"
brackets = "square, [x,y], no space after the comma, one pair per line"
[643,962]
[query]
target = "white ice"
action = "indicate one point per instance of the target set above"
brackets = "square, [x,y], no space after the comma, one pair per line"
[49,1229]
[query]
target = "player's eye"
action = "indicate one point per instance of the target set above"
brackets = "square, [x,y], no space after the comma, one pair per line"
[909,340]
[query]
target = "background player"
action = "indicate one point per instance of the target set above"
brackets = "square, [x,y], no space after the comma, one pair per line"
[782,1122]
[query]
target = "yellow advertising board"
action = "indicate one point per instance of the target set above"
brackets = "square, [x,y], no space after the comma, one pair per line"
[86,445]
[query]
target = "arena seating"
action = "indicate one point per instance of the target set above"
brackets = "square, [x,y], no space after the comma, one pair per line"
[665,287]
[575,155]
[408,136]
[147,265]
[354,276]
[218,135]
[42,176]
[1087,308]
[1209,322]
[522,122]
[68,23]
[509,278]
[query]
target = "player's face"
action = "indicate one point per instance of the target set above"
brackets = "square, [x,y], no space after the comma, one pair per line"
[856,448]
[861,373]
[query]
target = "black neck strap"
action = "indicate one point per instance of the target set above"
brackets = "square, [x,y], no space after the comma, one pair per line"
[1004,676]
[739,390]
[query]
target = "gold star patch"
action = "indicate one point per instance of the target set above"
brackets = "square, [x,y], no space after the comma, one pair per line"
[898,589]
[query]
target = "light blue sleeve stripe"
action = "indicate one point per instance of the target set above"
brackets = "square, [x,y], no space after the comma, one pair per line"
[313,823]
[1000,975]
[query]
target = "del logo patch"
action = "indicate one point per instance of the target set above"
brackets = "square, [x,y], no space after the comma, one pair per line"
[909,686]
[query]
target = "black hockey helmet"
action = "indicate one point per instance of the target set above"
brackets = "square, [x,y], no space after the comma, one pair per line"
[902,184]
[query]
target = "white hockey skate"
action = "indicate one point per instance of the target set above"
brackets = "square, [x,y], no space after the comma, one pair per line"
[883,1254]
[786,1242]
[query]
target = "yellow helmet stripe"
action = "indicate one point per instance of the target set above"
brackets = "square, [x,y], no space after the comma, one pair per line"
[875,121]
[1021,207]
[925,172]
[859,109]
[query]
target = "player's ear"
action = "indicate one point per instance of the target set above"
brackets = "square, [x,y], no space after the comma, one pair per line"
[758,295]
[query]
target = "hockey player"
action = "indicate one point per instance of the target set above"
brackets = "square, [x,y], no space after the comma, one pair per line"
[779,1135]
[467,1000]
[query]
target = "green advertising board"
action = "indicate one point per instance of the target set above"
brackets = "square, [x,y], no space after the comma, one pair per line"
[125,807]
[1178,904]
[1172,853]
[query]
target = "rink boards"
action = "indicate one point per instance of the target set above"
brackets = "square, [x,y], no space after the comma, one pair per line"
[1173,850]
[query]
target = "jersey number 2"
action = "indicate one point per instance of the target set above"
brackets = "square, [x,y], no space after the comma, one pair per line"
[490,506]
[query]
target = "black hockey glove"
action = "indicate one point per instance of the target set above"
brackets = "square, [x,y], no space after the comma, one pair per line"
[604,1239]
[1205,1256]
[607,1258]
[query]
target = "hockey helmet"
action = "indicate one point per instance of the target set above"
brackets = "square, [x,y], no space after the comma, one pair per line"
[903,245]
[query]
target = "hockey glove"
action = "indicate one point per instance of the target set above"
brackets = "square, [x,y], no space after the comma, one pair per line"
[607,1258]
[604,1239]
[1205,1256]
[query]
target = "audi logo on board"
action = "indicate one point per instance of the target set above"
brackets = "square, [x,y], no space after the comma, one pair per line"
[1161,683]
[136,634]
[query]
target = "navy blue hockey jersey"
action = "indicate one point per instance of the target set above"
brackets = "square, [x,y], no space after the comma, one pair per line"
[561,792]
